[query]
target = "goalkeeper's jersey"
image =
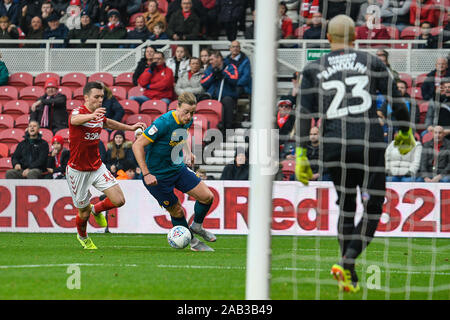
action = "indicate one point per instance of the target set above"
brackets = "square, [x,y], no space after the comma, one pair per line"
[341,88]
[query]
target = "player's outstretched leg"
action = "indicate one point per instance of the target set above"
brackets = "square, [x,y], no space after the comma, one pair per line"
[204,198]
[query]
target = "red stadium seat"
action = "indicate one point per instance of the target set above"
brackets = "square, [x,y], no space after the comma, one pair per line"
[16,108]
[8,93]
[78,94]
[212,110]
[119,93]
[5,164]
[6,121]
[393,32]
[156,107]
[20,80]
[407,78]
[410,33]
[74,80]
[173,105]
[420,79]
[46,134]
[22,121]
[11,136]
[4,150]
[199,122]
[40,79]
[416,93]
[72,104]
[136,92]
[31,93]
[65,134]
[125,80]
[163,6]
[423,108]
[130,106]
[65,91]
[436,30]
[105,77]
[427,137]
[134,118]
[288,168]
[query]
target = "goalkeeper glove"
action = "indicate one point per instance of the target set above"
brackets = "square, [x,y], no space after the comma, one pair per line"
[405,142]
[303,171]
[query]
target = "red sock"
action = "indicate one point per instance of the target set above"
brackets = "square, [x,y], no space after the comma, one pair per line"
[81,226]
[104,205]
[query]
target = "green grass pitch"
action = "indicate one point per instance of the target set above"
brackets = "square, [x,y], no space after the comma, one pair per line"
[131,266]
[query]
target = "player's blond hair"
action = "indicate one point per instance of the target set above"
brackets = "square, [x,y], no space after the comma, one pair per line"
[188,98]
[341,29]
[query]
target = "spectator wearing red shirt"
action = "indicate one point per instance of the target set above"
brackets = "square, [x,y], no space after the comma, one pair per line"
[427,10]
[372,30]
[287,30]
[157,80]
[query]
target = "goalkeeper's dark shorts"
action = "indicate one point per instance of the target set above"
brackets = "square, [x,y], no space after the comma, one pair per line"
[353,166]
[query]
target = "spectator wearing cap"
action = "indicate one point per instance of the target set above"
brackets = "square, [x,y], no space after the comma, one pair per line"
[119,151]
[72,16]
[11,9]
[57,159]
[92,8]
[8,31]
[33,31]
[285,121]
[119,5]
[139,32]
[50,109]
[114,29]
[55,30]
[87,30]
[184,24]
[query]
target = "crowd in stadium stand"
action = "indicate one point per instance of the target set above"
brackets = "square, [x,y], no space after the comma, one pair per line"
[152,88]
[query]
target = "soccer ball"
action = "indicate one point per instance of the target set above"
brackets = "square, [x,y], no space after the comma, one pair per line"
[179,237]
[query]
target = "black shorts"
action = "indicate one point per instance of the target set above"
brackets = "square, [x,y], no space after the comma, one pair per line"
[362,166]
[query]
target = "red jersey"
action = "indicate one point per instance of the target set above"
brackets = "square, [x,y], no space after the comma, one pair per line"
[84,142]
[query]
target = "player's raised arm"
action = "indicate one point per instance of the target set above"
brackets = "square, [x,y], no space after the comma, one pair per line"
[77,119]
[115,125]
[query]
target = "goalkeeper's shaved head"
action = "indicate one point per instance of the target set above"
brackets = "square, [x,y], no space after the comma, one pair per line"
[341,30]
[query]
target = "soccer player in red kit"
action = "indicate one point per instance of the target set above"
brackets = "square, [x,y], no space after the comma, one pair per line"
[85,168]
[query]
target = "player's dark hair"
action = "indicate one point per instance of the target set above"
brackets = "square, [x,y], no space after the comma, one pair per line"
[92,85]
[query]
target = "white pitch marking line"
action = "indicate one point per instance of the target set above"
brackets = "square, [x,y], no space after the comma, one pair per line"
[283,269]
[65,265]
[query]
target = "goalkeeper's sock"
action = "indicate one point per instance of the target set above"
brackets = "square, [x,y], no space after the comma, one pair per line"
[81,227]
[103,205]
[200,211]
[181,222]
